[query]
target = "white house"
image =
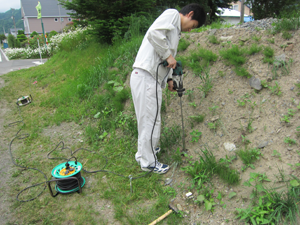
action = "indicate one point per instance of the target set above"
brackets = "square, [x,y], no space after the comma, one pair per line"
[54,16]
[230,15]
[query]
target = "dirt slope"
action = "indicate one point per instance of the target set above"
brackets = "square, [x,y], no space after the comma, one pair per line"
[263,108]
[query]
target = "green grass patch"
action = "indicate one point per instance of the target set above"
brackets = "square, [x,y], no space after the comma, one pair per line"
[183,45]
[234,55]
[268,55]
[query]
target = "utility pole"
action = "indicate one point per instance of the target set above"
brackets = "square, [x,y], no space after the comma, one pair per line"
[59,16]
[242,11]
[14,21]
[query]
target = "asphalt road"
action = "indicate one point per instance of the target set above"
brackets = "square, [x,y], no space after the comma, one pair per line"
[7,66]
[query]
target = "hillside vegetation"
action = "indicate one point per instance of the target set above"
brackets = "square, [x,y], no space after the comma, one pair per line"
[7,23]
[81,97]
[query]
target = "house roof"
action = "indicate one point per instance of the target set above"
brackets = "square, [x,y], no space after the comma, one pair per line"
[50,8]
[13,29]
[229,13]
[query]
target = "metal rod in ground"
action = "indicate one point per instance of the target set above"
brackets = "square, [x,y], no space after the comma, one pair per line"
[183,136]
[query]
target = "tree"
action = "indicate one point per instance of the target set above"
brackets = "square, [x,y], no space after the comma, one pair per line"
[12,41]
[2,38]
[269,8]
[109,18]
[20,32]
[34,33]
[106,16]
[210,6]
[21,37]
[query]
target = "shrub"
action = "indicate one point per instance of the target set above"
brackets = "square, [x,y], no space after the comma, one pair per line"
[269,55]
[34,33]
[234,55]
[254,49]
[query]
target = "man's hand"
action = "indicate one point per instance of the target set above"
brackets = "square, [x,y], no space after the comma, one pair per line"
[170,85]
[172,62]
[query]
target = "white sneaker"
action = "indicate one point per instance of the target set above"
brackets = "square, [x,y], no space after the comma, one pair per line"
[159,168]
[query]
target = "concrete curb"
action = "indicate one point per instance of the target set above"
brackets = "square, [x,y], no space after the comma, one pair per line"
[4,55]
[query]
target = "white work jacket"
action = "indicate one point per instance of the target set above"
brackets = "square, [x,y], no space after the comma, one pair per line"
[160,41]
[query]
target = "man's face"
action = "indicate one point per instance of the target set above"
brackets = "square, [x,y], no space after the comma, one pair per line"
[187,24]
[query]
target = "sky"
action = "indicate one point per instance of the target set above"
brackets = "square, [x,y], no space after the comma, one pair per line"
[5,5]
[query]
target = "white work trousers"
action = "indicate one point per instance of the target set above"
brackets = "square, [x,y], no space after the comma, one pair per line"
[143,90]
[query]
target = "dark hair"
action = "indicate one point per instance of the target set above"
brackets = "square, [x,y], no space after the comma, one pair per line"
[199,13]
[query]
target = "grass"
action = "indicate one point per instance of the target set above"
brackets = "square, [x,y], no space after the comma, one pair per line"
[212,39]
[268,55]
[254,48]
[248,156]
[183,45]
[287,22]
[86,88]
[213,25]
[234,55]
[198,60]
[201,171]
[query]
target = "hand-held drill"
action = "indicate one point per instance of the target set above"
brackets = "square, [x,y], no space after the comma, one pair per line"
[177,78]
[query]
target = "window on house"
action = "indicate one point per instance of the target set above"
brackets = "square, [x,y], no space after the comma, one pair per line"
[235,7]
[69,19]
[55,19]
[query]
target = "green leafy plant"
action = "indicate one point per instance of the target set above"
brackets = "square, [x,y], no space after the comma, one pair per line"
[170,191]
[212,125]
[202,170]
[196,119]
[212,39]
[206,83]
[276,154]
[199,60]
[269,55]
[280,65]
[190,94]
[234,56]
[241,102]
[271,40]
[286,35]
[276,89]
[227,159]
[177,157]
[213,109]
[195,135]
[248,157]
[285,118]
[245,140]
[249,128]
[193,104]
[290,141]
[183,44]
[254,48]
[207,198]
[221,73]
[256,38]
[170,136]
[257,214]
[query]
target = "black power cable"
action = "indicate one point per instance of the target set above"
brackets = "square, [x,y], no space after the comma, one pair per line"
[67,185]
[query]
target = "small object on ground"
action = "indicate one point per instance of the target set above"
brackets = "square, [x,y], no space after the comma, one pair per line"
[189,194]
